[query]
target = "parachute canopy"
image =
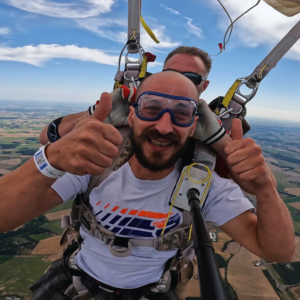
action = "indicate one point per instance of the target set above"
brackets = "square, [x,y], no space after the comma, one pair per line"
[286,7]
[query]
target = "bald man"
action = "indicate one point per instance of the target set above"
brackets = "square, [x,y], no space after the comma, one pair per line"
[134,200]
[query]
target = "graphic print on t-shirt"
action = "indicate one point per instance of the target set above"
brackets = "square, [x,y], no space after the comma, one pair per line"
[133,223]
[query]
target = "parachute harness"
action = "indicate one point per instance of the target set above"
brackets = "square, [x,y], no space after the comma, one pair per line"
[184,175]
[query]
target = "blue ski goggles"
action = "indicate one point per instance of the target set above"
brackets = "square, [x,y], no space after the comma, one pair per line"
[150,106]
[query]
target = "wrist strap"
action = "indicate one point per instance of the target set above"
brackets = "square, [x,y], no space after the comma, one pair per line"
[44,166]
[52,132]
[93,107]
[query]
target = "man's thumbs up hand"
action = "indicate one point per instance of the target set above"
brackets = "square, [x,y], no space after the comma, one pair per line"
[236,129]
[103,108]
[245,158]
[90,147]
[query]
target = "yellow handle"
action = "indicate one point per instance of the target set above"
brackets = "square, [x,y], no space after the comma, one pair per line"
[230,93]
[149,31]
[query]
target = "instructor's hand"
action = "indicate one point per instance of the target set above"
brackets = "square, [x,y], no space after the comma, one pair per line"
[245,158]
[90,147]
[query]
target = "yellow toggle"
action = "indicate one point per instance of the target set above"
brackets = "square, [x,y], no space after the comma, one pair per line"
[133,35]
[143,68]
[190,235]
[149,31]
[259,75]
[230,93]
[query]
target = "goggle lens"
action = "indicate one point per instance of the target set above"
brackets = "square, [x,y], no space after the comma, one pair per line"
[151,106]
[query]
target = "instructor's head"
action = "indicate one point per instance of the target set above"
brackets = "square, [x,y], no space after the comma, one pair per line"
[163,118]
[187,59]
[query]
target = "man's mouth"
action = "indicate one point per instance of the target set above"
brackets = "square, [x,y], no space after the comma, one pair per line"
[159,144]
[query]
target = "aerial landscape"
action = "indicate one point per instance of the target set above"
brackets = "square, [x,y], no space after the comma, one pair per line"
[27,251]
[58,56]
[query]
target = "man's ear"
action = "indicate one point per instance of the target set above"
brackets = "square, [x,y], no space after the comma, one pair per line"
[193,127]
[205,85]
[131,115]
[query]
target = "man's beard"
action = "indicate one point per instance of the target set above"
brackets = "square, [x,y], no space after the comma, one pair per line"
[154,162]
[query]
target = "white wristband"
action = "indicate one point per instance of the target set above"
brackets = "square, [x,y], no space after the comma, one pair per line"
[44,166]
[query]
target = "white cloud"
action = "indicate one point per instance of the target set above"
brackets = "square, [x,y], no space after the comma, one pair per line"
[4,31]
[261,26]
[193,29]
[38,55]
[71,10]
[171,10]
[102,27]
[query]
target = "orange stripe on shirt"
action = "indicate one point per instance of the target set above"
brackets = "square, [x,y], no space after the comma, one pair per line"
[124,210]
[98,203]
[160,224]
[107,206]
[133,212]
[152,215]
[115,208]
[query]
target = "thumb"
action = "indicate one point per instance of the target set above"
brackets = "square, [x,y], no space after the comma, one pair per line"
[103,108]
[236,129]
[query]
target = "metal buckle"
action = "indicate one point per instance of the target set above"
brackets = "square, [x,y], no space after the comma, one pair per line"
[245,81]
[180,269]
[106,290]
[139,61]
[223,115]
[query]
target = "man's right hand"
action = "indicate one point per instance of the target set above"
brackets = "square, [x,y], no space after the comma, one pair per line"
[90,147]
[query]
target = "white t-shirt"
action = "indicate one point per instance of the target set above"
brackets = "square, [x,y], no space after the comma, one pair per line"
[131,207]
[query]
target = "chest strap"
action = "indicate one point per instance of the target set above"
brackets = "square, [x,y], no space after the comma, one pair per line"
[177,238]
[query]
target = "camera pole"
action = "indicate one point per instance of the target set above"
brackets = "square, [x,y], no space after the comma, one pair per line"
[210,280]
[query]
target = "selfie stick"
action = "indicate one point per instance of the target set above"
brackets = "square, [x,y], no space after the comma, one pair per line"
[211,285]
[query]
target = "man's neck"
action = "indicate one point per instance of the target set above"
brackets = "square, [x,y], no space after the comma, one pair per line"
[145,174]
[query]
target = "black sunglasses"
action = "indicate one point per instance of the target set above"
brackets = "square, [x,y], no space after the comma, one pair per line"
[194,77]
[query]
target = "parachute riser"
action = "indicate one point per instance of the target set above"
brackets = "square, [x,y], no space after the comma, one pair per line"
[236,98]
[270,62]
[134,21]
[130,76]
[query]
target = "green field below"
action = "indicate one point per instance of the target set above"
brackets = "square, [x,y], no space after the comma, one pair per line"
[4,258]
[296,226]
[295,218]
[39,237]
[17,274]
[54,226]
[65,205]
[290,208]
[284,164]
[291,200]
[282,181]
[274,273]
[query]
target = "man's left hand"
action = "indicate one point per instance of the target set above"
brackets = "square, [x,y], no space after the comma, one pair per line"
[245,158]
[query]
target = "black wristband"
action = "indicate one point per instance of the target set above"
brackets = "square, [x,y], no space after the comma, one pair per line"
[52,132]
[92,109]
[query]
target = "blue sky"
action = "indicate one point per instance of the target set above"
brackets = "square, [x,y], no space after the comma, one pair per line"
[67,50]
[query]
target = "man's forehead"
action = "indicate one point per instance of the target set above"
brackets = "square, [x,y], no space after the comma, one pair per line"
[170,83]
[186,63]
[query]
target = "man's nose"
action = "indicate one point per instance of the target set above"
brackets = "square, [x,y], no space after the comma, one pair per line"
[164,125]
